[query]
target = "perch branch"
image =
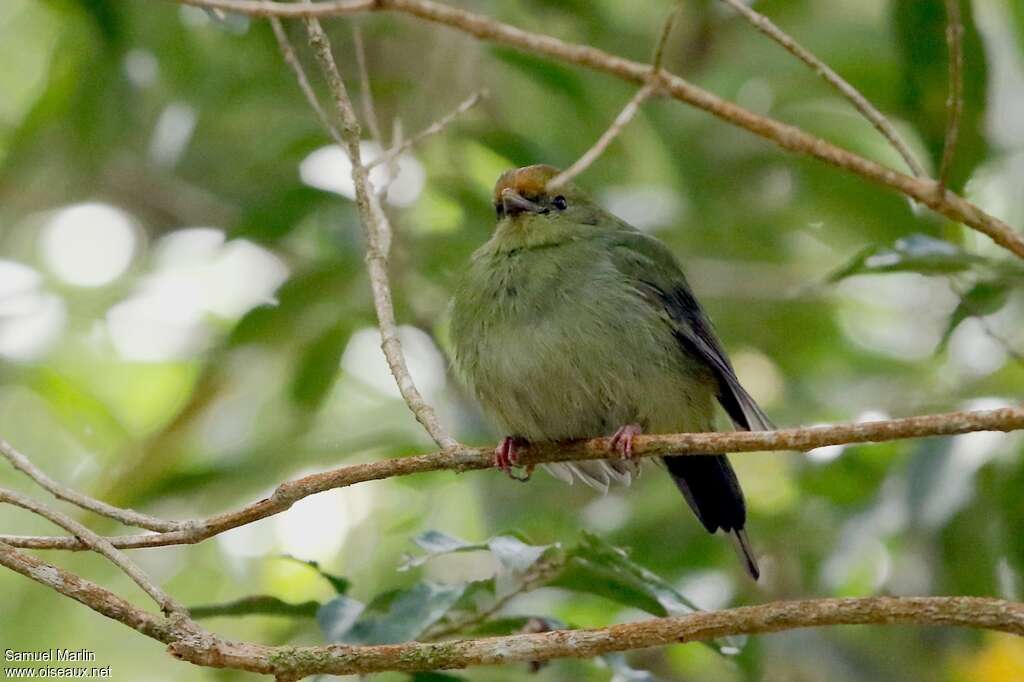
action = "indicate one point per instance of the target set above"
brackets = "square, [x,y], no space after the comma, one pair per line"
[467,459]
[786,136]
[868,110]
[955,101]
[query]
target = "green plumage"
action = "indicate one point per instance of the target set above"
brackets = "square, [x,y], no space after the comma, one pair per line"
[569,324]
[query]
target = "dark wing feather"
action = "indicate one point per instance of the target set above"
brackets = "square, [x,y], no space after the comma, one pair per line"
[654,269]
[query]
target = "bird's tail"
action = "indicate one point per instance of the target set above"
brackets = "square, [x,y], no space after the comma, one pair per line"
[713,492]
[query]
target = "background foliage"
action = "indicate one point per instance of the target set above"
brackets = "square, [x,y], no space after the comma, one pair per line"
[185,321]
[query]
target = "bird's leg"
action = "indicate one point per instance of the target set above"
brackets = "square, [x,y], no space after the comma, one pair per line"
[622,440]
[506,457]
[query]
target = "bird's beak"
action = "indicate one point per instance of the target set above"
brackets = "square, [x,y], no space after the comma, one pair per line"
[515,203]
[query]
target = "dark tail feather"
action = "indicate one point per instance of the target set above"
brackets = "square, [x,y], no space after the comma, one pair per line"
[713,492]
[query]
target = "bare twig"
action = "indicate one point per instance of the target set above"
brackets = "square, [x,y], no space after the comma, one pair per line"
[288,52]
[434,128]
[98,544]
[99,599]
[786,136]
[666,29]
[877,119]
[128,517]
[369,110]
[955,100]
[377,230]
[591,155]
[468,459]
[628,112]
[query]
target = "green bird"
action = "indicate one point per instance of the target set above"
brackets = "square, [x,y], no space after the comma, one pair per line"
[570,323]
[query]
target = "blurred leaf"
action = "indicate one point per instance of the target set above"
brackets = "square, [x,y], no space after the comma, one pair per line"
[596,567]
[515,624]
[276,216]
[513,553]
[318,367]
[337,617]
[920,27]
[434,677]
[984,298]
[259,605]
[398,616]
[555,77]
[622,671]
[339,583]
[915,253]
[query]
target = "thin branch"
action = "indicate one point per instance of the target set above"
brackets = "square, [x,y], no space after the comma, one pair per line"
[666,29]
[129,517]
[786,136]
[877,119]
[288,53]
[377,231]
[468,459]
[628,112]
[955,100]
[369,110]
[538,575]
[98,544]
[434,128]
[621,121]
[971,612]
[86,592]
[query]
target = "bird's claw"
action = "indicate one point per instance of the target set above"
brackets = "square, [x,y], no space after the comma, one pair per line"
[506,456]
[622,440]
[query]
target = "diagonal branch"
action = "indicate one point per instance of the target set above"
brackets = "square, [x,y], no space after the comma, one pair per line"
[434,128]
[469,459]
[868,110]
[129,517]
[786,136]
[376,227]
[98,544]
[628,112]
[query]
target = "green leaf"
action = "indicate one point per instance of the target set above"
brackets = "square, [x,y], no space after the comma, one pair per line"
[984,298]
[339,583]
[318,367]
[597,567]
[557,78]
[257,605]
[337,617]
[512,552]
[393,617]
[920,28]
[916,253]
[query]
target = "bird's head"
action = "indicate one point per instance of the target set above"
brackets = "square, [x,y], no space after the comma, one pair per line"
[522,196]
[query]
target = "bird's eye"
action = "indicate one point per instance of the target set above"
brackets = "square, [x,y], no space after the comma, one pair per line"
[560,203]
[499,208]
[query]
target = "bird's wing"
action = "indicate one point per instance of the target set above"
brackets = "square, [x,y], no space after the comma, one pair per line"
[654,269]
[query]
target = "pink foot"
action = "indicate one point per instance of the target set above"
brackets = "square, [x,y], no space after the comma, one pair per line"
[622,440]
[506,457]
